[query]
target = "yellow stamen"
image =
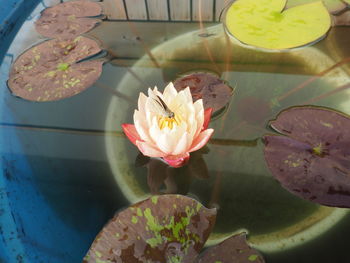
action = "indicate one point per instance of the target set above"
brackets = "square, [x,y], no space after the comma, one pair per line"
[169,122]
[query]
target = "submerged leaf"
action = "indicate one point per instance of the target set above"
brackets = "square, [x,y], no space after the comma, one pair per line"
[312,160]
[333,6]
[68,20]
[209,87]
[263,24]
[232,250]
[342,20]
[167,229]
[253,109]
[49,71]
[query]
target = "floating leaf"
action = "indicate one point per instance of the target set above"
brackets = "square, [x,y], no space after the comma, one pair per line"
[68,20]
[167,228]
[263,24]
[209,87]
[333,6]
[49,71]
[312,160]
[232,250]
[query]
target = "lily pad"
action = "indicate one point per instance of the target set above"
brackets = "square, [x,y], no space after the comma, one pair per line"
[49,71]
[209,87]
[68,20]
[333,6]
[312,160]
[232,250]
[264,24]
[167,228]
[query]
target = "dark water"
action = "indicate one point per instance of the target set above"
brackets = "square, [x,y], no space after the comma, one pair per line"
[86,174]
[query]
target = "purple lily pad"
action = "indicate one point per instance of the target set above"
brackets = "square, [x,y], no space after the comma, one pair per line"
[167,228]
[232,250]
[209,87]
[49,71]
[68,20]
[312,160]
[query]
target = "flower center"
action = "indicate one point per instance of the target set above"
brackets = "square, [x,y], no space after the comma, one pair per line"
[170,122]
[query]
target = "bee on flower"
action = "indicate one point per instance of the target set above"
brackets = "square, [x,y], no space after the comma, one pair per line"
[169,125]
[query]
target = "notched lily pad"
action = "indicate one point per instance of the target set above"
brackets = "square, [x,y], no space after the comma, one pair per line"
[265,24]
[232,250]
[333,6]
[167,228]
[312,159]
[49,71]
[209,87]
[68,20]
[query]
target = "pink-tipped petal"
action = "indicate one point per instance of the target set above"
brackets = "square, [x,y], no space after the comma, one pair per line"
[148,150]
[201,140]
[131,133]
[177,162]
[207,116]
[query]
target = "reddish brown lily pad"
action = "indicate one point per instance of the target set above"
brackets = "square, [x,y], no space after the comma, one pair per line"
[167,228]
[209,87]
[312,160]
[49,71]
[68,20]
[232,250]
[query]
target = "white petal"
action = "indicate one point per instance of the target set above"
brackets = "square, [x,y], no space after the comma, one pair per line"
[182,145]
[142,128]
[165,142]
[148,150]
[142,102]
[169,93]
[186,93]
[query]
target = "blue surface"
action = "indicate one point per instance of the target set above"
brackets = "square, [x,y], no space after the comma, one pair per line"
[12,15]
[31,230]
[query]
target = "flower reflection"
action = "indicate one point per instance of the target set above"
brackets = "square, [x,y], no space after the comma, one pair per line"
[163,179]
[169,125]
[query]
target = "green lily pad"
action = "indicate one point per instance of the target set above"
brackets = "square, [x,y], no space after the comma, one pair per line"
[166,228]
[234,250]
[333,6]
[265,24]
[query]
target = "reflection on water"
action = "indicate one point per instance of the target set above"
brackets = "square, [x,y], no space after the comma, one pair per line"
[98,169]
[239,183]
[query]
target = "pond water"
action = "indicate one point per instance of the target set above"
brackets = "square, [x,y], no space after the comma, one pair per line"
[73,155]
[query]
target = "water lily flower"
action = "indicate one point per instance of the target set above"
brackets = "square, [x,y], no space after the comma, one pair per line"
[169,125]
